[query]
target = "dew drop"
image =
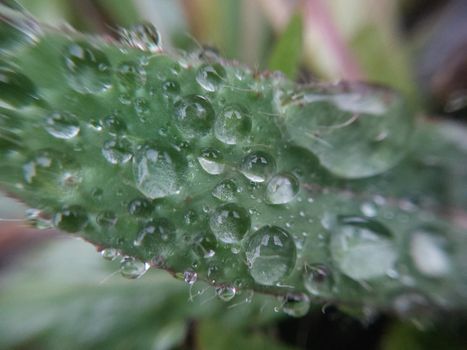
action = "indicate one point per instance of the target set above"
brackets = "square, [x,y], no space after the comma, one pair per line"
[140,207]
[106,219]
[113,124]
[194,115]
[117,151]
[143,36]
[110,254]
[170,88]
[15,88]
[362,248]
[258,166]
[296,305]
[226,190]
[70,218]
[204,245]
[62,125]
[131,75]
[190,277]
[232,125]
[88,69]
[141,106]
[229,223]
[211,160]
[132,268]
[270,253]
[159,230]
[156,170]
[282,189]
[428,253]
[369,209]
[37,219]
[317,279]
[226,293]
[210,76]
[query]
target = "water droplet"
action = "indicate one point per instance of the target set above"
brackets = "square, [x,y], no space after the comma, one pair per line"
[282,188]
[159,230]
[117,151]
[62,125]
[369,209]
[110,253]
[226,190]
[210,76]
[296,305]
[170,87]
[15,88]
[113,124]
[143,36]
[194,115]
[140,207]
[37,219]
[70,218]
[204,245]
[132,268]
[131,75]
[258,166]
[211,160]
[233,124]
[141,106]
[229,223]
[106,219]
[317,279]
[190,277]
[226,293]
[88,69]
[271,254]
[362,248]
[429,255]
[157,170]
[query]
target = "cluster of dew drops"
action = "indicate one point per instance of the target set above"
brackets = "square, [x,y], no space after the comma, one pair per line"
[270,250]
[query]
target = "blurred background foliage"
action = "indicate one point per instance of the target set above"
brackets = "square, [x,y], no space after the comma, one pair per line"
[57,293]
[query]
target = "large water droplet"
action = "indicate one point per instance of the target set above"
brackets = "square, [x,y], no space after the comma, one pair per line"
[71,218]
[117,151]
[143,36]
[229,223]
[233,124]
[62,125]
[210,76]
[194,115]
[271,254]
[258,166]
[88,69]
[317,279]
[362,248]
[226,293]
[132,268]
[15,88]
[356,130]
[211,160]
[429,255]
[157,170]
[282,189]
[226,190]
[296,305]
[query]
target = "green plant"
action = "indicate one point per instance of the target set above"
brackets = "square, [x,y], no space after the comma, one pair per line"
[246,180]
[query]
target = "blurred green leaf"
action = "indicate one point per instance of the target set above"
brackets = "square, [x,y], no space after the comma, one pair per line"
[287,53]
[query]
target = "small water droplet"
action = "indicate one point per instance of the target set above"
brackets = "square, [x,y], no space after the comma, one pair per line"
[131,75]
[117,151]
[317,279]
[211,160]
[210,76]
[106,219]
[226,190]
[428,253]
[190,277]
[229,223]
[271,254]
[132,268]
[369,209]
[157,170]
[282,189]
[194,115]
[62,125]
[70,218]
[362,248]
[296,305]
[159,230]
[258,166]
[110,254]
[204,245]
[233,124]
[140,207]
[143,36]
[226,293]
[38,219]
[113,124]
[88,69]
[170,88]
[141,106]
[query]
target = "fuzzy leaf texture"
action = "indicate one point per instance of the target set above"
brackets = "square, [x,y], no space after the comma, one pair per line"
[246,180]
